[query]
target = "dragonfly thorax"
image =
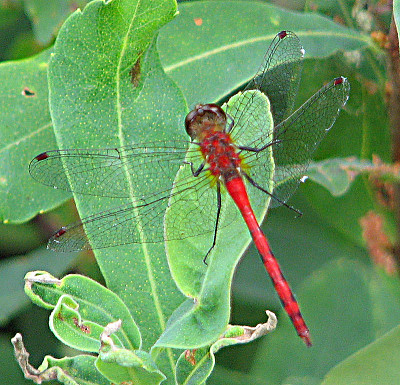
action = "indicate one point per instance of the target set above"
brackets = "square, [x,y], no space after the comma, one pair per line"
[221,154]
[203,119]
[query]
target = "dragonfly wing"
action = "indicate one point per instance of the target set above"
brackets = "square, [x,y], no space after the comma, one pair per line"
[297,137]
[278,77]
[193,211]
[194,203]
[116,172]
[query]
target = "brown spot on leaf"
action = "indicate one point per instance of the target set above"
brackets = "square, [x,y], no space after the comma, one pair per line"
[379,245]
[135,73]
[190,356]
[85,329]
[27,92]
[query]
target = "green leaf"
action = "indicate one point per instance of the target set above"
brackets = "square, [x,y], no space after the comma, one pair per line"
[194,367]
[122,365]
[119,365]
[101,107]
[13,270]
[224,51]
[354,134]
[342,304]
[337,174]
[396,13]
[68,326]
[96,303]
[78,370]
[26,131]
[47,17]
[376,363]
[200,321]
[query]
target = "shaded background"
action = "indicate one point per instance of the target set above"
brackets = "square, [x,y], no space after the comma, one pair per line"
[340,256]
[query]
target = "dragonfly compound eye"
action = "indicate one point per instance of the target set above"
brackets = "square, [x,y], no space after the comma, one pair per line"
[203,117]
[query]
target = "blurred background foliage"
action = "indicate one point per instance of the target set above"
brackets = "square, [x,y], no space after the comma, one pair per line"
[341,257]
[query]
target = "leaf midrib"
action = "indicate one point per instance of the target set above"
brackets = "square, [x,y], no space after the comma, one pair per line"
[123,143]
[266,38]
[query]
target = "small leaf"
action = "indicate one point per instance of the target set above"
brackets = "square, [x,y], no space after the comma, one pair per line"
[337,174]
[122,365]
[68,326]
[195,366]
[96,303]
[70,371]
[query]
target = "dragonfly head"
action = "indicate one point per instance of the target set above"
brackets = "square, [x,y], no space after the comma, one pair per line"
[203,118]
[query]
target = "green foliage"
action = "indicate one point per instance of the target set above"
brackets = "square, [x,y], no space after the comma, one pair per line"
[124,71]
[47,17]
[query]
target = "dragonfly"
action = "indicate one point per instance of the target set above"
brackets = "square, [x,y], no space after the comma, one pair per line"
[227,154]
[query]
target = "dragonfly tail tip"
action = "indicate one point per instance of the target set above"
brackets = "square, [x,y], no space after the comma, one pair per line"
[306,338]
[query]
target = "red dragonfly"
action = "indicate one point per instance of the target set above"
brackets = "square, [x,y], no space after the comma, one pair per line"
[228,152]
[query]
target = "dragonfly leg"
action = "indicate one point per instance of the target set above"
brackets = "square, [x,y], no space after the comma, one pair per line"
[255,149]
[194,171]
[231,124]
[255,184]
[219,201]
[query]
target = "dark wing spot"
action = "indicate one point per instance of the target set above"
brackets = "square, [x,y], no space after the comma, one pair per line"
[41,156]
[282,34]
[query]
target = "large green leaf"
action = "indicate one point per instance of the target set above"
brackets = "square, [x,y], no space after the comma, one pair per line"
[232,52]
[221,51]
[94,104]
[377,363]
[342,303]
[26,131]
[205,315]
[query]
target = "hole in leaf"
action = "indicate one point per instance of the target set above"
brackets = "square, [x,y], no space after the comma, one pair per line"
[27,92]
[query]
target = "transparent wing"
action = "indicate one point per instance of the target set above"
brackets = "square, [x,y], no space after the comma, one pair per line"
[115,172]
[142,219]
[297,137]
[278,77]
[194,198]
